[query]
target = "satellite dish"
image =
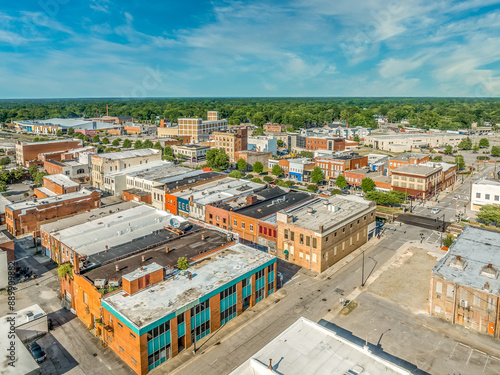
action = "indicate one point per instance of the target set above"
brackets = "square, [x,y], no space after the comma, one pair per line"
[175,223]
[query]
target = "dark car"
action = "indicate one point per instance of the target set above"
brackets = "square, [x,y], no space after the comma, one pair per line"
[34,346]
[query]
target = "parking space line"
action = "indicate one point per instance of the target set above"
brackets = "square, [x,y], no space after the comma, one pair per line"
[468,359]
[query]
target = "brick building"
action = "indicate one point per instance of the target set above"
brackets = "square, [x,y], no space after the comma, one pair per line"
[449,172]
[223,287]
[319,235]
[419,181]
[276,128]
[252,157]
[464,286]
[354,177]
[136,195]
[57,184]
[196,127]
[116,161]
[26,152]
[330,144]
[406,159]
[335,165]
[232,142]
[26,217]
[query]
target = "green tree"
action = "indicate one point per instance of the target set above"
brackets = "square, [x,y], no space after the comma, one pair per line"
[280,142]
[241,165]
[495,150]
[465,144]
[257,180]
[157,146]
[449,239]
[341,182]
[317,175]
[277,171]
[460,162]
[448,150]
[367,184]
[268,179]
[109,149]
[147,144]
[3,186]
[4,161]
[127,143]
[312,188]
[116,142]
[95,138]
[336,192]
[258,131]
[489,215]
[484,143]
[258,167]
[65,269]
[79,135]
[71,131]
[217,158]
[306,154]
[182,263]
[105,141]
[38,180]
[33,170]
[18,173]
[236,174]
[475,148]
[168,151]
[59,133]
[138,144]
[356,138]
[86,138]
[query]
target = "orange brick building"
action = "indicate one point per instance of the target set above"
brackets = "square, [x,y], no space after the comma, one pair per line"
[420,181]
[333,165]
[276,128]
[137,195]
[330,144]
[26,217]
[406,159]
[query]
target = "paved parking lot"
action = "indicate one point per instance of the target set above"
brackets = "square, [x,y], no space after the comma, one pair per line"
[418,342]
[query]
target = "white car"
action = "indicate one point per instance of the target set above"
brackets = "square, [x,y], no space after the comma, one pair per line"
[435,211]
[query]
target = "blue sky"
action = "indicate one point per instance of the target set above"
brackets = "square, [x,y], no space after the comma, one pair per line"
[226,48]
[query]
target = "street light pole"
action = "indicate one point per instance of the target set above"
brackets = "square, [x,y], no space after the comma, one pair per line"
[368,334]
[363,271]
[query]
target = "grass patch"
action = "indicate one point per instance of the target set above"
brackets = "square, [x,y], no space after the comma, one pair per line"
[389,209]
[349,308]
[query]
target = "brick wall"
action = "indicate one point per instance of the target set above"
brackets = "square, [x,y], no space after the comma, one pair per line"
[59,189]
[31,151]
[52,168]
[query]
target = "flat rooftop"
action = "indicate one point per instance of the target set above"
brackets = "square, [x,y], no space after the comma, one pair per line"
[59,225]
[62,180]
[307,348]
[51,142]
[138,192]
[269,207]
[445,166]
[208,274]
[413,135]
[341,157]
[49,200]
[418,169]
[191,178]
[192,146]
[225,188]
[163,172]
[116,229]
[477,248]
[189,245]
[129,154]
[47,192]
[139,168]
[330,213]
[3,202]
[487,181]
[407,155]
[266,193]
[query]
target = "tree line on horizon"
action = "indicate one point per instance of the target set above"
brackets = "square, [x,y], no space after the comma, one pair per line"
[440,113]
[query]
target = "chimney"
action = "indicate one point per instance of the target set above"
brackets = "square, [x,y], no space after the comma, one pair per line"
[162,123]
[251,199]
[309,210]
[486,285]
[270,367]
[106,247]
[203,237]
[190,275]
[143,258]
[191,198]
[490,265]
[459,257]
[167,250]
[117,268]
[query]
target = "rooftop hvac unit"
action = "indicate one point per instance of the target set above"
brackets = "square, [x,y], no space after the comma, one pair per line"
[100,283]
[113,283]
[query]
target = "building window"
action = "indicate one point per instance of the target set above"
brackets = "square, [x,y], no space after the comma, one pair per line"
[120,325]
[110,339]
[449,291]
[242,225]
[439,287]
[497,197]
[308,240]
[132,335]
[235,223]
[487,197]
[285,234]
[315,242]
[478,195]
[301,238]
[314,258]
[133,360]
[180,319]
[251,227]
[210,216]
[121,348]
[491,303]
[292,235]
[85,298]
[301,254]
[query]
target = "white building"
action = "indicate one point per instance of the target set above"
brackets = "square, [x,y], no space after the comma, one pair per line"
[263,144]
[406,142]
[307,348]
[485,192]
[192,152]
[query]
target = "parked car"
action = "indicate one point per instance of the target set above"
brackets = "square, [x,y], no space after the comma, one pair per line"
[37,352]
[435,211]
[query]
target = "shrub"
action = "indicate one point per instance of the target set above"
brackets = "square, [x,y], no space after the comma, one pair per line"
[64,269]
[182,263]
[268,179]
[257,180]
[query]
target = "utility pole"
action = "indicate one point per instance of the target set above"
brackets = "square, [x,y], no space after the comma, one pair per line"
[363,271]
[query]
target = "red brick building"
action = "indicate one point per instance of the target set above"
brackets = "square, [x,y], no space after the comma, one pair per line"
[26,152]
[355,176]
[329,144]
[333,165]
[276,128]
[26,217]
[406,159]
[419,181]
[137,195]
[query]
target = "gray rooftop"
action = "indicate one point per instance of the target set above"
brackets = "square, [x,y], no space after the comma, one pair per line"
[62,180]
[56,226]
[139,168]
[327,214]
[49,200]
[129,154]
[145,270]
[209,274]
[407,155]
[307,348]
[476,249]
[417,169]
[3,202]
[487,181]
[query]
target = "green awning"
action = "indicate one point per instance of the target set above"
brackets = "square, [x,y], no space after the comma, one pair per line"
[285,252]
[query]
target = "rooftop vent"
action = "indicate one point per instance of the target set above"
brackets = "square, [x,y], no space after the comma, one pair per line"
[458,263]
[489,271]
